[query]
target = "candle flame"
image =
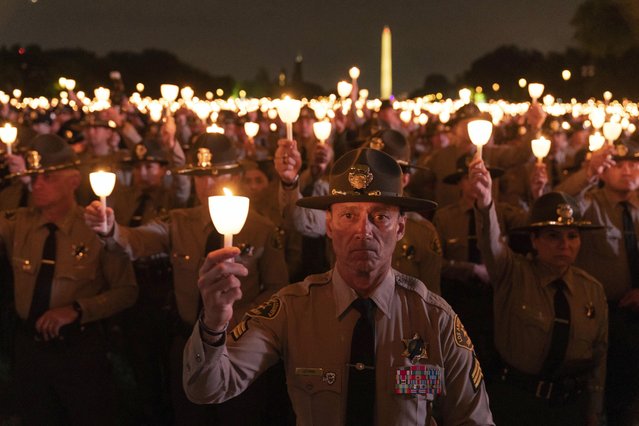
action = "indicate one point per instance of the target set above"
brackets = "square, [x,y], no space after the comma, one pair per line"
[227,191]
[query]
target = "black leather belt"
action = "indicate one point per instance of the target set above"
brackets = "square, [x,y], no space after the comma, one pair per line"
[559,389]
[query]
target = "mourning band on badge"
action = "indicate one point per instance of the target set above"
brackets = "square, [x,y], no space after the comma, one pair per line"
[415,349]
[476,375]
[267,310]
[461,336]
[79,251]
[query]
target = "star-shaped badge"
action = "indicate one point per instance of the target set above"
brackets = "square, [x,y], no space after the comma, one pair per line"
[79,251]
[415,349]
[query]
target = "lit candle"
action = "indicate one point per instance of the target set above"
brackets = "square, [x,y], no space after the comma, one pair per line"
[344,89]
[251,129]
[169,92]
[595,142]
[289,111]
[102,183]
[322,130]
[540,148]
[8,135]
[228,213]
[479,132]
[535,90]
[612,131]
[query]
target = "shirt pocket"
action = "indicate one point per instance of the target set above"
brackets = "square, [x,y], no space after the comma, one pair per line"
[317,391]
[410,408]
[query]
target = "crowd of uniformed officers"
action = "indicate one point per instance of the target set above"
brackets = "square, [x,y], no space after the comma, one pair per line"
[540,261]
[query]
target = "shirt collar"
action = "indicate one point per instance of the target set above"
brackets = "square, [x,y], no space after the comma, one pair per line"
[547,276]
[64,224]
[344,295]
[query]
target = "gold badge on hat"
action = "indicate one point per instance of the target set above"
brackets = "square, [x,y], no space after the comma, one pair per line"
[622,150]
[33,160]
[565,212]
[377,143]
[204,157]
[140,151]
[415,349]
[79,251]
[360,177]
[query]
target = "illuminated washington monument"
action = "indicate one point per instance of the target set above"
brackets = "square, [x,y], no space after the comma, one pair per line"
[386,81]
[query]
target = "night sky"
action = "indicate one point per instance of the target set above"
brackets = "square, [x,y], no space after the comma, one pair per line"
[237,37]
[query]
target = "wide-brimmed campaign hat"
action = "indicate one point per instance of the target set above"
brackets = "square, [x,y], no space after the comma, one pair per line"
[626,151]
[462,170]
[469,111]
[147,151]
[366,175]
[94,120]
[211,155]
[394,144]
[48,153]
[556,210]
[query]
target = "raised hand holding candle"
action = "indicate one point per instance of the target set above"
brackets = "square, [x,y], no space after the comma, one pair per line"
[102,184]
[479,132]
[228,213]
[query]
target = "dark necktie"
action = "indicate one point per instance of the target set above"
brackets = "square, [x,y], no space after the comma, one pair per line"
[630,241]
[560,330]
[474,254]
[24,196]
[360,408]
[42,290]
[138,214]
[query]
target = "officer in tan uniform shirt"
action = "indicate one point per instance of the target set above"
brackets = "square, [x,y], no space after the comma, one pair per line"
[550,317]
[185,233]
[405,343]
[65,282]
[417,254]
[612,257]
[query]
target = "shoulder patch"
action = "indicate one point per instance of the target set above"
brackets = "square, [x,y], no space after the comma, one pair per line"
[267,310]
[476,375]
[461,336]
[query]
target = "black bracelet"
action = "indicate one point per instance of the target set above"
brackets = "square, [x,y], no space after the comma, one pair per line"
[207,330]
[292,184]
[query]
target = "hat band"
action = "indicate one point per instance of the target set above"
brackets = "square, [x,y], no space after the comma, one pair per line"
[376,193]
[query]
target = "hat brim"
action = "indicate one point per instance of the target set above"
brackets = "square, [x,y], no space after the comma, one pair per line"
[454,178]
[405,203]
[222,169]
[581,225]
[43,170]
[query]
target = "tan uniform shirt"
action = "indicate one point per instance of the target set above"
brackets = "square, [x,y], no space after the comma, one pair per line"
[101,281]
[310,324]
[524,312]
[451,222]
[603,253]
[417,254]
[182,235]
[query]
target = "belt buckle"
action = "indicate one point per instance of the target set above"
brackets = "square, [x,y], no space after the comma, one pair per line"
[539,393]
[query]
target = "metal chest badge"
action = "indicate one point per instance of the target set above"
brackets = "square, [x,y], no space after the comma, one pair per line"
[79,251]
[415,349]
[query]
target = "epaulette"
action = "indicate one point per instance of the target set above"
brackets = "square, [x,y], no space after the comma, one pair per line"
[303,288]
[416,286]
